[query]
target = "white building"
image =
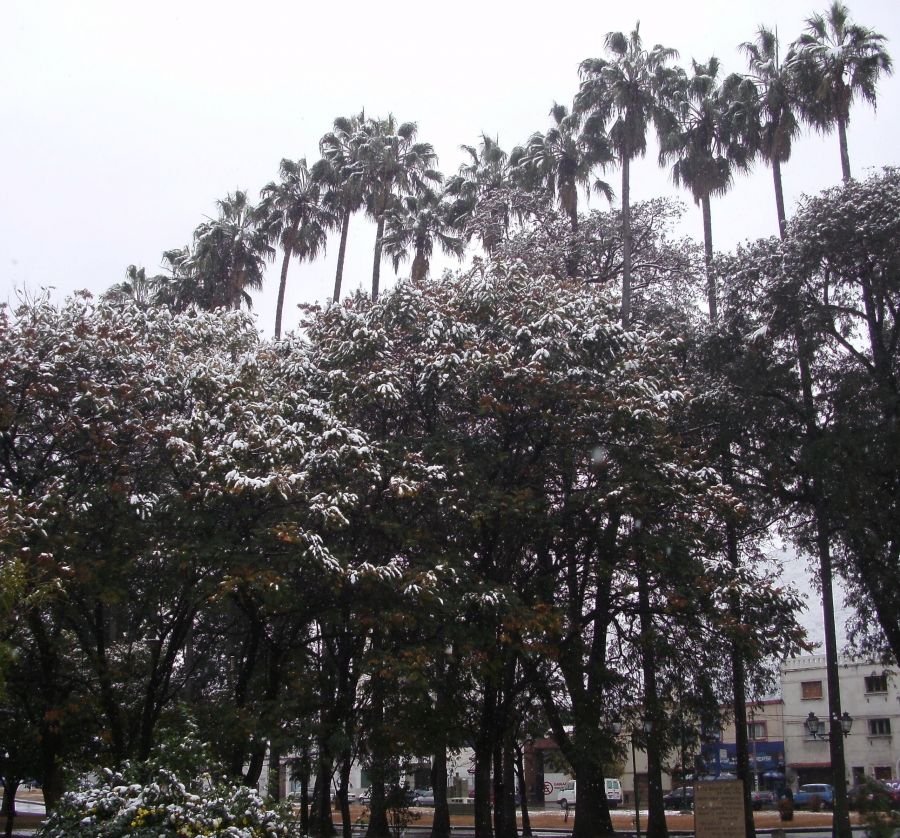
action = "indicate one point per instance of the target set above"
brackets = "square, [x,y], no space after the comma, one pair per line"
[869,693]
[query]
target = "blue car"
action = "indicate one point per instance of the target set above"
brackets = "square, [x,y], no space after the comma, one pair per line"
[822,791]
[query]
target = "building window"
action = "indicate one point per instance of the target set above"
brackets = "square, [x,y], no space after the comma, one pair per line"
[876,683]
[883,772]
[810,689]
[756,731]
[879,727]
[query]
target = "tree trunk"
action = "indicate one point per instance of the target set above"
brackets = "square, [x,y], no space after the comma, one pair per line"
[779,197]
[656,816]
[321,822]
[845,154]
[10,786]
[626,241]
[376,265]
[342,252]
[50,738]
[378,822]
[343,786]
[484,747]
[440,825]
[497,790]
[112,706]
[592,817]
[523,793]
[711,295]
[505,789]
[274,772]
[255,765]
[282,285]
[304,791]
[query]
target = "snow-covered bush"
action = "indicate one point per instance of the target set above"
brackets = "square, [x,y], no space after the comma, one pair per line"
[115,807]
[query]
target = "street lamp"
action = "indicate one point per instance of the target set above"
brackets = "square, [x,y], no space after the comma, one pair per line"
[646,727]
[812,726]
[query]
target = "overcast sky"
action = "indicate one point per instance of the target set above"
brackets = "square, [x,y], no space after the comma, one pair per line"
[122,123]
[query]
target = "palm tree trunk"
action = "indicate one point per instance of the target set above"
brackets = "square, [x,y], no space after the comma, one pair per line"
[738,686]
[845,154]
[626,241]
[419,268]
[779,197]
[342,251]
[572,259]
[376,266]
[708,257]
[842,827]
[279,306]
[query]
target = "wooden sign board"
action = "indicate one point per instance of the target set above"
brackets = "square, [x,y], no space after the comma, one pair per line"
[719,809]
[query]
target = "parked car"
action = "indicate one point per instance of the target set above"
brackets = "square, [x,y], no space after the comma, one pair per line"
[888,790]
[471,795]
[763,799]
[679,798]
[892,790]
[568,794]
[614,794]
[422,797]
[807,793]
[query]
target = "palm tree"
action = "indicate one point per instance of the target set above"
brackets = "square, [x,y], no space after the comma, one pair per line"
[393,163]
[416,222]
[481,180]
[296,218]
[837,61]
[562,160]
[625,93]
[177,288]
[136,288]
[341,176]
[709,141]
[229,254]
[777,99]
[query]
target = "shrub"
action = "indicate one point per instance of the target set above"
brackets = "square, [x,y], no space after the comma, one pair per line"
[114,807]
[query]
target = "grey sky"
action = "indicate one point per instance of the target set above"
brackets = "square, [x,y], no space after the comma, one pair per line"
[122,123]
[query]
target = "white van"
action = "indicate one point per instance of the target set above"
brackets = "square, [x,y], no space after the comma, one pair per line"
[567,795]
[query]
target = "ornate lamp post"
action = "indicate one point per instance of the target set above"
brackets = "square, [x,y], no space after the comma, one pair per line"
[812,726]
[646,728]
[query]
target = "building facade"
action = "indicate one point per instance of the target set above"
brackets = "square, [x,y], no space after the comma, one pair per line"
[870,693]
[765,737]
